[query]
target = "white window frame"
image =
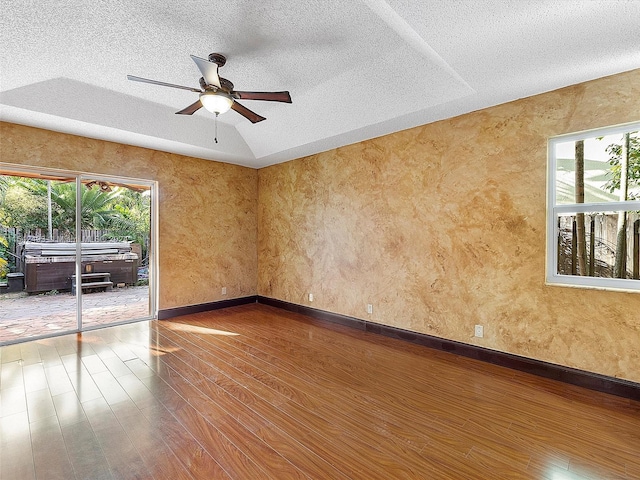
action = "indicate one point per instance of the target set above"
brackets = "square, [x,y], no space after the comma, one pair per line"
[554,209]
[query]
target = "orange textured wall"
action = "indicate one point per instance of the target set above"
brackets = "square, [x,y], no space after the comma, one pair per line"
[207,227]
[442,226]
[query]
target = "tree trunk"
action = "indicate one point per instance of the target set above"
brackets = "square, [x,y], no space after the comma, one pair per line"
[49,217]
[580,228]
[620,266]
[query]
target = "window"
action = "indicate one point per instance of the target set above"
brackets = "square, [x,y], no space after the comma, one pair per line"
[593,209]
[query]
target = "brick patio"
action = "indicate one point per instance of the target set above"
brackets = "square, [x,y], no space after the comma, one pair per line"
[23,316]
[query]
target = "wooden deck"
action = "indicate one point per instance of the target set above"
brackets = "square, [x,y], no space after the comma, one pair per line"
[254,392]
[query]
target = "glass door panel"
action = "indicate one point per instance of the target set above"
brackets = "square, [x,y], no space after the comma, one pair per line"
[116,239]
[38,249]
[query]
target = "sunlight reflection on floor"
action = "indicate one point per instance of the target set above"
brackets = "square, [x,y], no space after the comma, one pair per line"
[183,327]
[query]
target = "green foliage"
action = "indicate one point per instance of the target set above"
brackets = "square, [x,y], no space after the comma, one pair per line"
[97,206]
[615,160]
[4,262]
[4,185]
[123,212]
[21,208]
[133,219]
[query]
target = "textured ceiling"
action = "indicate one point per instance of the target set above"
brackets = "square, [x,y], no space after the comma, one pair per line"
[355,70]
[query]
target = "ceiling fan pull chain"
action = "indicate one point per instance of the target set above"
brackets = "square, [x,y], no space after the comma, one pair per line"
[216,127]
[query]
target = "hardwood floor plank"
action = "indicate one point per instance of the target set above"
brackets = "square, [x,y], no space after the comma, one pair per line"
[48,353]
[58,379]
[12,401]
[316,405]
[13,428]
[122,457]
[10,354]
[11,375]
[525,458]
[233,460]
[116,366]
[260,393]
[16,456]
[17,462]
[632,469]
[50,456]
[85,454]
[84,384]
[93,364]
[136,390]
[109,387]
[198,462]
[29,354]
[322,425]
[219,402]
[68,408]
[34,377]
[297,428]
[122,351]
[159,459]
[40,405]
[139,368]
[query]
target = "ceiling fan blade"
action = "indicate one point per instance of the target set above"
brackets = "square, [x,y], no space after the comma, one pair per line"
[253,117]
[163,84]
[191,109]
[267,96]
[208,69]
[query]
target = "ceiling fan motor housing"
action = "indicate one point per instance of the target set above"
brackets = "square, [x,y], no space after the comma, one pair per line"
[225,85]
[217,58]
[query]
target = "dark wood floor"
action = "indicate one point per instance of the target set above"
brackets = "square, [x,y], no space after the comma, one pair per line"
[254,392]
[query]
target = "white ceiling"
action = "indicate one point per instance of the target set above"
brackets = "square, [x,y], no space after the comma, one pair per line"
[356,69]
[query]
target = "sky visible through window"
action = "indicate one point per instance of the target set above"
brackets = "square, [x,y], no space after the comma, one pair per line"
[597,171]
[594,149]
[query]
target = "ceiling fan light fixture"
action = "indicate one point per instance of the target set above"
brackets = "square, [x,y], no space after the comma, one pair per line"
[216,102]
[216,93]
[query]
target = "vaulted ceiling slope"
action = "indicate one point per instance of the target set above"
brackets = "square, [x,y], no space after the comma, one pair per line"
[355,70]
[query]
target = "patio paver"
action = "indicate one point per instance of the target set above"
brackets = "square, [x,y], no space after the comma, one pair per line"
[23,316]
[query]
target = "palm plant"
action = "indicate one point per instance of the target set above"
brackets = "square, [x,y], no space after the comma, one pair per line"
[133,221]
[4,185]
[97,206]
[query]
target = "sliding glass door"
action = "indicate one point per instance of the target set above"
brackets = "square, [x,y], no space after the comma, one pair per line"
[41,256]
[76,252]
[115,262]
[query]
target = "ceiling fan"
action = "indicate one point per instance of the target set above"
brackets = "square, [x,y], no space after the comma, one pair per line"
[216,93]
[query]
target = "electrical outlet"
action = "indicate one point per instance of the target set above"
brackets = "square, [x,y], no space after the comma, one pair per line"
[311,297]
[369,308]
[479,331]
[224,290]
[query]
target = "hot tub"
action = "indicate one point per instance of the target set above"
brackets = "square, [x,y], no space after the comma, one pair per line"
[49,266]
